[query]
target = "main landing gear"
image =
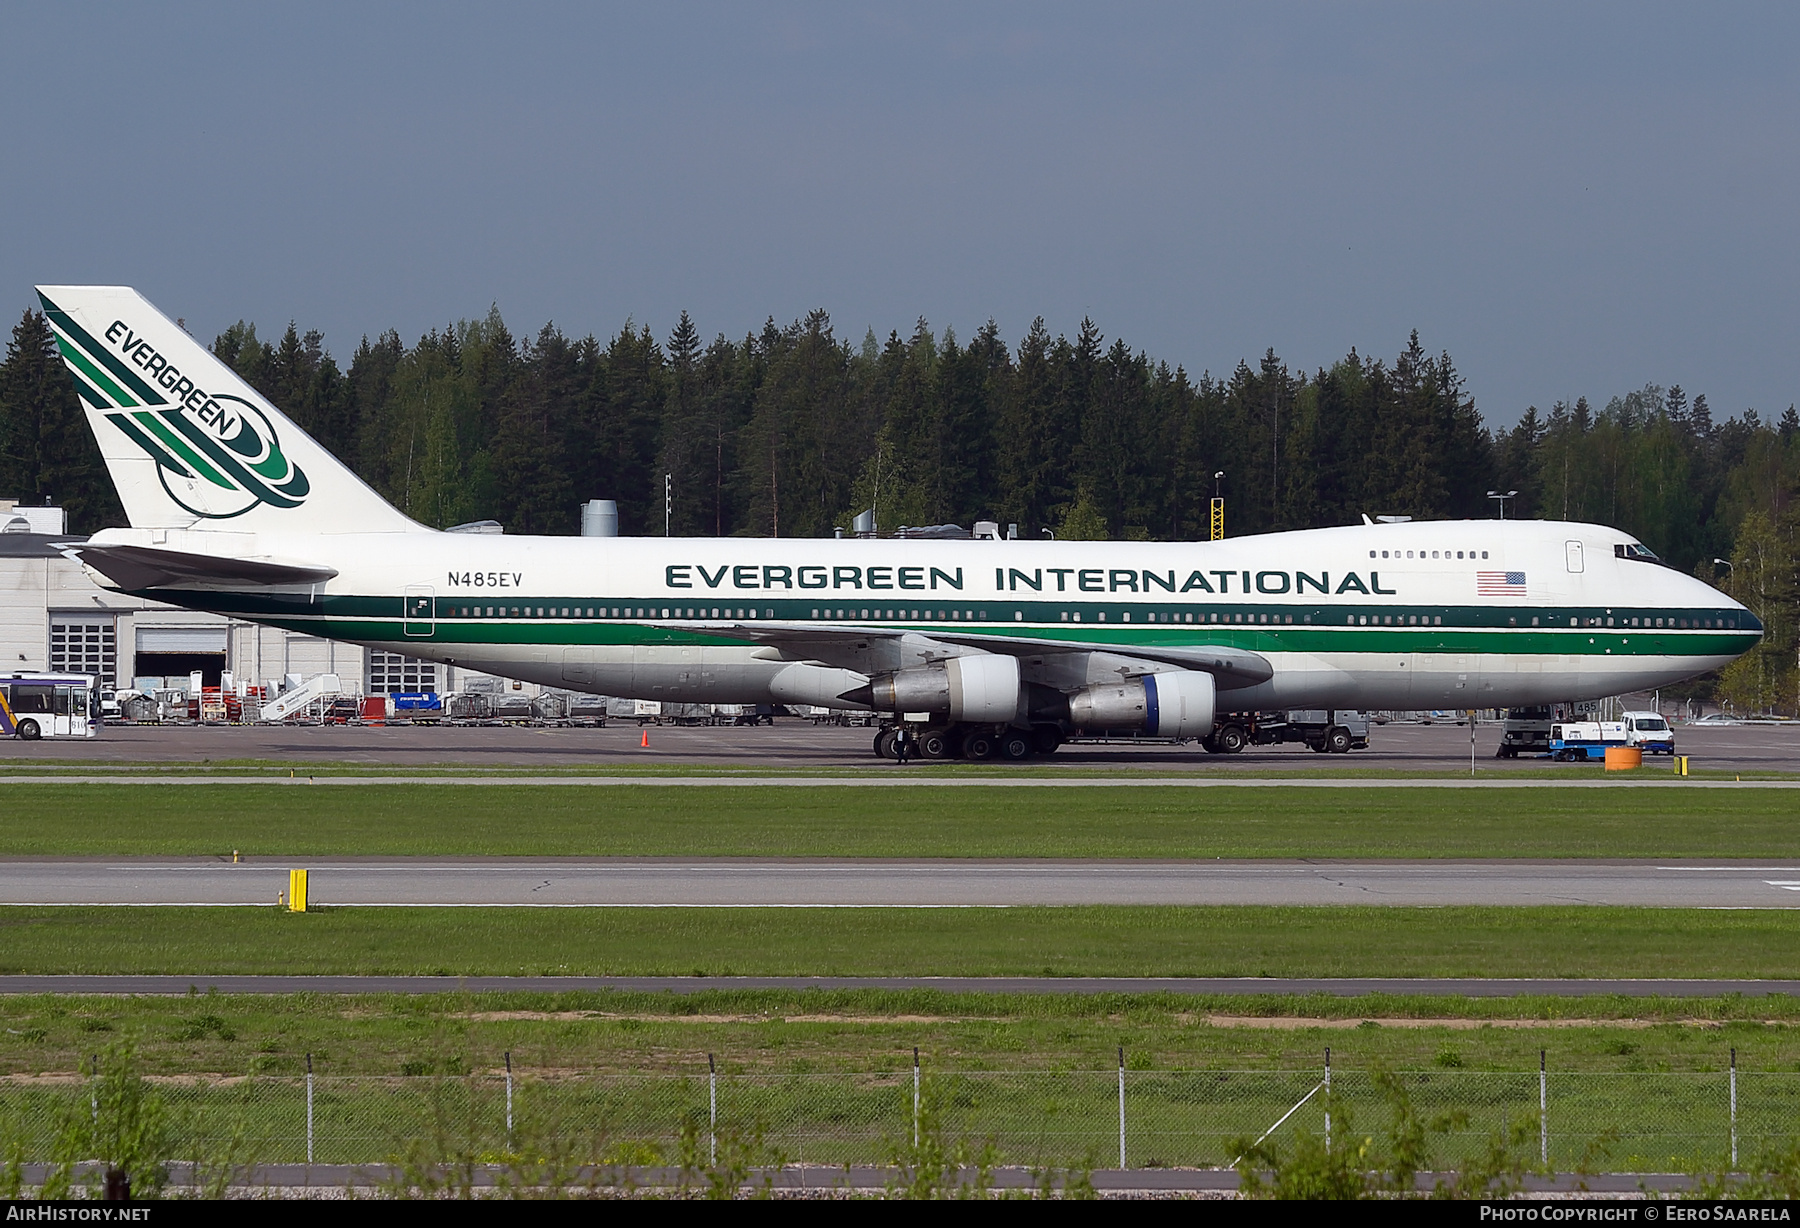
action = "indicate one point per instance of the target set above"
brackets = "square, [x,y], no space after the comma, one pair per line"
[1007,743]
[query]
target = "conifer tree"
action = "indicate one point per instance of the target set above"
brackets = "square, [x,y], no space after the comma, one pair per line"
[47,452]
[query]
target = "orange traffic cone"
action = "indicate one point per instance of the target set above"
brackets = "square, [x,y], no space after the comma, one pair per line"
[646,742]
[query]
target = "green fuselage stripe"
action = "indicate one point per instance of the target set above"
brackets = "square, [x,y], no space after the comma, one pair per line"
[1469,629]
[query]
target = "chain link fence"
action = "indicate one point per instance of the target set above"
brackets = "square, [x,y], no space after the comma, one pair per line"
[1094,1118]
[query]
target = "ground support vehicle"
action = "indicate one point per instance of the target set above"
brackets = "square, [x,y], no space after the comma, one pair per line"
[1588,741]
[1584,741]
[1649,732]
[1526,731]
[1325,731]
[745,714]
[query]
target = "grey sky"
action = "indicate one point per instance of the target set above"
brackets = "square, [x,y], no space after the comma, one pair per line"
[1571,199]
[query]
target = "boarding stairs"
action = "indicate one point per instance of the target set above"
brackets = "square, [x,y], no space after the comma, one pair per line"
[289,703]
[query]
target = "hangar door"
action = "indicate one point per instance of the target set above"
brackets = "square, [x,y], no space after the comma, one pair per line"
[84,644]
[175,652]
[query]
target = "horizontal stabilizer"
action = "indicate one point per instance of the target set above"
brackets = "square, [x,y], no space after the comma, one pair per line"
[142,567]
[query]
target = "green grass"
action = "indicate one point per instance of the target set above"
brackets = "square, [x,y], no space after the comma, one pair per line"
[822,821]
[875,1029]
[826,1078]
[1101,941]
[860,1030]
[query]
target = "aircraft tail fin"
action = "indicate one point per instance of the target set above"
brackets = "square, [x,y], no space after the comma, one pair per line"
[188,443]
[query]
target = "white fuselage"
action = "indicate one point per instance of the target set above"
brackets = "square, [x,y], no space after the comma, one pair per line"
[1418,615]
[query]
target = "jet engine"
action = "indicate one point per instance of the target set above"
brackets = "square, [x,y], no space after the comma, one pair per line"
[976,688]
[1178,704]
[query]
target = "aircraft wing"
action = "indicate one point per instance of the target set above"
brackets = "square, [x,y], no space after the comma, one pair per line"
[133,568]
[837,645]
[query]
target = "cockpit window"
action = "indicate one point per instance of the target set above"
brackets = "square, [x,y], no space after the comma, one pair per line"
[1635,550]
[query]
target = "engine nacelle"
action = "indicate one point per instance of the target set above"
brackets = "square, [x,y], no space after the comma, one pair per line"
[818,685]
[978,688]
[1179,704]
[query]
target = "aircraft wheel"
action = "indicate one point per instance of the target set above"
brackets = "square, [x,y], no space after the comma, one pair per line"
[1015,745]
[1338,741]
[1230,739]
[1045,739]
[884,744]
[937,744]
[29,731]
[979,745]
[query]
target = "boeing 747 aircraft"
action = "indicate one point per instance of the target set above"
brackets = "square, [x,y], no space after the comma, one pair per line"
[999,647]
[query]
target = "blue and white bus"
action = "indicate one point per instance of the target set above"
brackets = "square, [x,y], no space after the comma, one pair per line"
[36,706]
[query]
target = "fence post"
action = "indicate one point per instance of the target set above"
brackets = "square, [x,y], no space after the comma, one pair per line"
[1121,1107]
[509,1119]
[94,1086]
[1327,1099]
[309,1110]
[1543,1111]
[915,1097]
[712,1111]
[1734,1107]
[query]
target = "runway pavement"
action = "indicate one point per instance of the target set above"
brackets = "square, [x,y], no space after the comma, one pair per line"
[792,743]
[699,883]
[900,778]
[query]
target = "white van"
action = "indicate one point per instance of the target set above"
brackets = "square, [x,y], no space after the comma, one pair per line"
[1650,732]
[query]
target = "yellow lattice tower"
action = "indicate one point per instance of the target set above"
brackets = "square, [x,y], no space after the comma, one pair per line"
[1218,519]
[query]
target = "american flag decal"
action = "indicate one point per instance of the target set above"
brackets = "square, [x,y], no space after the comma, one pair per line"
[1500,584]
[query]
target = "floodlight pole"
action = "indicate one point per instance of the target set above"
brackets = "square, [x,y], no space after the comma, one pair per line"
[1501,499]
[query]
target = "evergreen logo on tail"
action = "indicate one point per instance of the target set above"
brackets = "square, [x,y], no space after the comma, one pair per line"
[217,455]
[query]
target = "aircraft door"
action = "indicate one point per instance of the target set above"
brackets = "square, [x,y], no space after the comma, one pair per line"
[1445,680]
[578,666]
[419,611]
[1572,557]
